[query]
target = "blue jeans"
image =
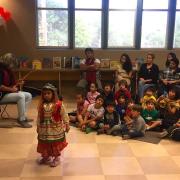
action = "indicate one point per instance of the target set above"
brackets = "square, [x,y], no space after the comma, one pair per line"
[132,132]
[142,87]
[22,99]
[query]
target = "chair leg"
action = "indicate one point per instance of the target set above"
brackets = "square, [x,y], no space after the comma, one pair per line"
[3,110]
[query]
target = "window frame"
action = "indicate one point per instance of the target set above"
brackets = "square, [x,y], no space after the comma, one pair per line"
[171,14]
[37,29]
[174,23]
[88,10]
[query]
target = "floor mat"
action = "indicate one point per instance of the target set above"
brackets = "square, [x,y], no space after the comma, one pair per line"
[150,137]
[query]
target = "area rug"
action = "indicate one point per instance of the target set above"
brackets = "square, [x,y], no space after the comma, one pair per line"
[150,137]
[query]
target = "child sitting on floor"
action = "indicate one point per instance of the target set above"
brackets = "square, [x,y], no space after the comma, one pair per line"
[151,115]
[93,93]
[82,105]
[108,94]
[163,101]
[111,122]
[130,104]
[123,89]
[127,117]
[121,106]
[95,113]
[135,125]
[148,94]
[171,120]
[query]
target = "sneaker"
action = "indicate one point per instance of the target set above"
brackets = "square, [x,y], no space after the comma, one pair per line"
[45,161]
[163,134]
[24,124]
[126,136]
[100,131]
[88,130]
[114,133]
[55,162]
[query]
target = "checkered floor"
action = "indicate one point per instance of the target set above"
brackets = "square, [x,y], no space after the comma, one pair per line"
[87,157]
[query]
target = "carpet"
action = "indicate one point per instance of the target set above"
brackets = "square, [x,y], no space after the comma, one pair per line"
[150,137]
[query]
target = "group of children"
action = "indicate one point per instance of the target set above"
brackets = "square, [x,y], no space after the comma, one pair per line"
[105,112]
[116,113]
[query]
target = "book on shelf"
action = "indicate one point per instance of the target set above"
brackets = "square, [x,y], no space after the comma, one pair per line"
[57,62]
[23,62]
[115,64]
[67,62]
[105,63]
[47,62]
[36,64]
[75,62]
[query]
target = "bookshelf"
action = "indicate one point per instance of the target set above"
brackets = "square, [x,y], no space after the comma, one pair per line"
[58,75]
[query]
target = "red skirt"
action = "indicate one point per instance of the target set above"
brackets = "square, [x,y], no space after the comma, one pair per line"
[51,149]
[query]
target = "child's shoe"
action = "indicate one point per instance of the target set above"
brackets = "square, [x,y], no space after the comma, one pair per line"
[148,127]
[44,161]
[88,130]
[55,162]
[126,136]
[163,134]
[114,133]
[100,131]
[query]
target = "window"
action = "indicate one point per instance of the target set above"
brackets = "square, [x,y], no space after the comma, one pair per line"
[177,26]
[108,23]
[154,22]
[88,23]
[53,23]
[122,15]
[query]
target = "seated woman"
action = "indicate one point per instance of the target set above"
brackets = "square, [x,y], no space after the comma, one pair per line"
[170,77]
[10,93]
[148,75]
[124,72]
[90,65]
[170,56]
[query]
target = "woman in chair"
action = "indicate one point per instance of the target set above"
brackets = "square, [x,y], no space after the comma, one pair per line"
[148,75]
[124,71]
[9,93]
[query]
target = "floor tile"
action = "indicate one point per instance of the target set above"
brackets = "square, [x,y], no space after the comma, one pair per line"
[176,159]
[80,137]
[84,178]
[81,150]
[148,149]
[121,166]
[32,154]
[82,166]
[164,177]
[13,151]
[16,138]
[87,157]
[12,178]
[33,169]
[172,149]
[42,178]
[11,167]
[158,165]
[109,139]
[123,177]
[114,150]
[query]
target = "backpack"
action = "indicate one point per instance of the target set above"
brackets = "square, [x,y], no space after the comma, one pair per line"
[175,134]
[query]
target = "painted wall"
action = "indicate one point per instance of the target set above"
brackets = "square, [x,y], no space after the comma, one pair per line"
[19,37]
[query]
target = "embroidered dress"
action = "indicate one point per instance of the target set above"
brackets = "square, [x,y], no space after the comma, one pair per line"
[50,128]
